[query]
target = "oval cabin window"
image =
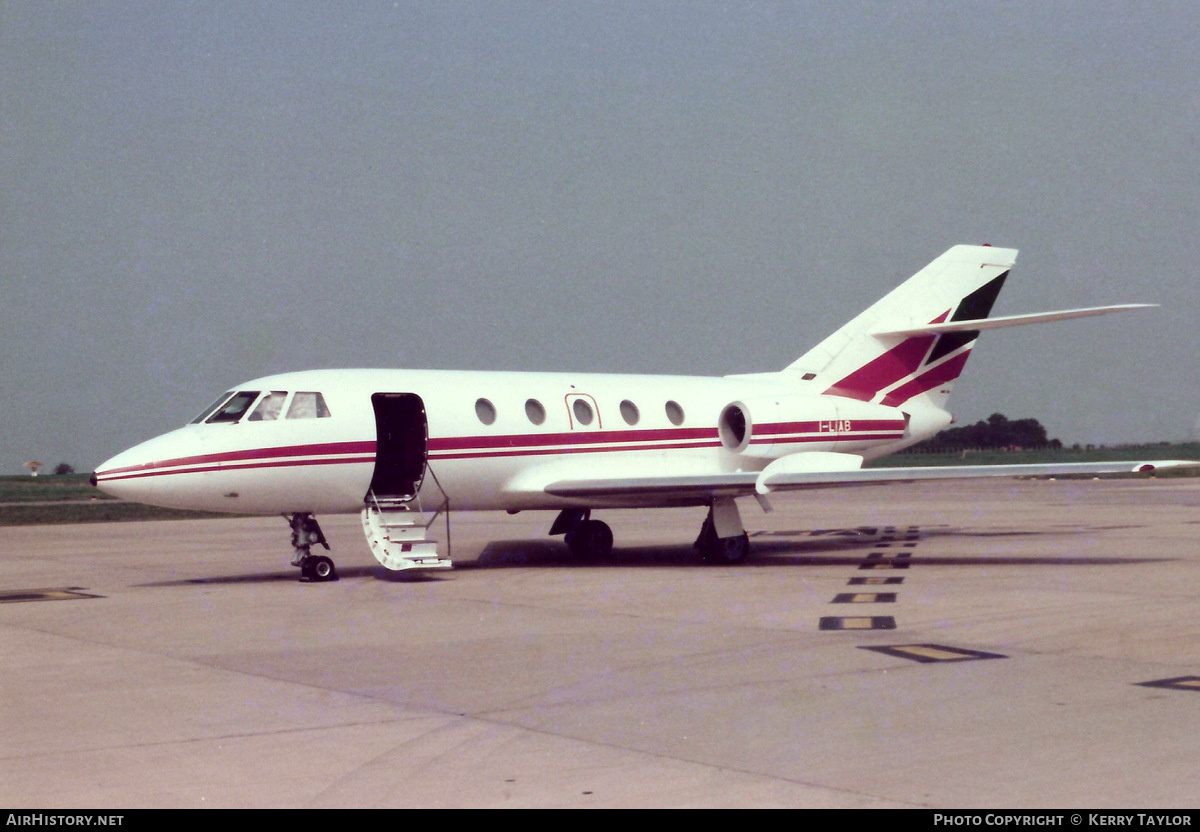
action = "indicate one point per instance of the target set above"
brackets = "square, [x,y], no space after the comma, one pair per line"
[675,413]
[535,411]
[485,410]
[629,412]
[583,412]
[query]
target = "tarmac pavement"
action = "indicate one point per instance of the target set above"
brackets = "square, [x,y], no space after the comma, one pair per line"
[994,644]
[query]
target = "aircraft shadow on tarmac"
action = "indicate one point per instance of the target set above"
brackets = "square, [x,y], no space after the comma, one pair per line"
[377,572]
[507,554]
[796,548]
[788,548]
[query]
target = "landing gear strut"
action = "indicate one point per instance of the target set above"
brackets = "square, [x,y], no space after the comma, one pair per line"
[722,538]
[586,538]
[306,532]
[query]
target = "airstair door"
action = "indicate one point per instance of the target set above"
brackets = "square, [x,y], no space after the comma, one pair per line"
[401,445]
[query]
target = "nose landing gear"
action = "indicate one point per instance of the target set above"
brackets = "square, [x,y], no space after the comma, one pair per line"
[306,532]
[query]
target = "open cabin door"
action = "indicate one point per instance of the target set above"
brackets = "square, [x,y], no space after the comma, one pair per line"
[401,445]
[397,526]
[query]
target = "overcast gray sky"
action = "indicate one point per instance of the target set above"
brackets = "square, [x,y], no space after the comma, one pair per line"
[198,193]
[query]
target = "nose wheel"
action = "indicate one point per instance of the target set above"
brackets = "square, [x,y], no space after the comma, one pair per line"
[305,533]
[317,568]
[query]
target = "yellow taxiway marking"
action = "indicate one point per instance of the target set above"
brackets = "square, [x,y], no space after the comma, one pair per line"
[934,653]
[858,622]
[70,593]
[928,653]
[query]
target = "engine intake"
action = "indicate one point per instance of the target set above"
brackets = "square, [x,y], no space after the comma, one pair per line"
[733,427]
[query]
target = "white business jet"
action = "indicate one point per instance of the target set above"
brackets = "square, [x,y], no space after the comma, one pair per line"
[401,446]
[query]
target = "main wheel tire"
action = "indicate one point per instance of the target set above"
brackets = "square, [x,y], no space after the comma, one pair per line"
[322,569]
[725,550]
[590,540]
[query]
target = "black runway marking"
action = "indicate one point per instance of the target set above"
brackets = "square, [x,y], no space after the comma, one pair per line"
[1191,683]
[864,598]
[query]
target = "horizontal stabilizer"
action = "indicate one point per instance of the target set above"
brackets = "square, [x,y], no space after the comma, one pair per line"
[1011,320]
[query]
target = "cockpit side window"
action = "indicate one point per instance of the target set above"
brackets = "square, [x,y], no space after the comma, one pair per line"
[235,408]
[308,406]
[269,407]
[212,408]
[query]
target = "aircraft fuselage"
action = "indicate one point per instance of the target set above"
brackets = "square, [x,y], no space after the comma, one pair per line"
[495,439]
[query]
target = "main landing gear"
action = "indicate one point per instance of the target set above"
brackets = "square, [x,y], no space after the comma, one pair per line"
[586,538]
[306,532]
[722,538]
[718,550]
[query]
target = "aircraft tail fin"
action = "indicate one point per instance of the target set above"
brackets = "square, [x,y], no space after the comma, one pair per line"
[910,346]
[894,352]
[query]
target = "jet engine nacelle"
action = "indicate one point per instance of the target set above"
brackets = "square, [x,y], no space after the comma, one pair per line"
[767,427]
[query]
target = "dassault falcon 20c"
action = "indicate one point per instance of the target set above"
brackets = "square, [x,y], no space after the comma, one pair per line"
[402,446]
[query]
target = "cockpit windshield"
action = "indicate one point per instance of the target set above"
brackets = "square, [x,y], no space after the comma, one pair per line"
[235,408]
[231,407]
[212,408]
[269,407]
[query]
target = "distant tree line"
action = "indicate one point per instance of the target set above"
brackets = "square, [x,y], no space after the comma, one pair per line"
[997,431]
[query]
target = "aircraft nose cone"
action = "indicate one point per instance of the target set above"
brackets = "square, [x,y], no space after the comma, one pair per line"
[100,478]
[125,476]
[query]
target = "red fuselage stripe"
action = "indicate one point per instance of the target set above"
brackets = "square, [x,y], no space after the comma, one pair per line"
[249,454]
[578,437]
[290,463]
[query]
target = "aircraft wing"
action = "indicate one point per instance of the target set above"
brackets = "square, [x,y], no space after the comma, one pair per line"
[693,486]
[675,487]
